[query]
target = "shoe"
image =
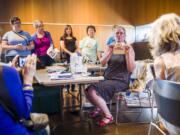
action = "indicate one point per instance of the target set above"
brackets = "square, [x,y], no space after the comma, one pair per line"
[163,128]
[95,113]
[103,122]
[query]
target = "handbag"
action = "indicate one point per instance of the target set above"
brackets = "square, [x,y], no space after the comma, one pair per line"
[138,83]
[34,123]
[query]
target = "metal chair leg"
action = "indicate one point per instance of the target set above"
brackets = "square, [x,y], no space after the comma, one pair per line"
[152,107]
[117,108]
[156,126]
[149,131]
[110,105]
[139,100]
[150,102]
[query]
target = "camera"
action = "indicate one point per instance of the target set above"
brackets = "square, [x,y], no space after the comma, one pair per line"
[21,61]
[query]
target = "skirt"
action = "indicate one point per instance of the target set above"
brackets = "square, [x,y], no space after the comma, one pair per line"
[107,88]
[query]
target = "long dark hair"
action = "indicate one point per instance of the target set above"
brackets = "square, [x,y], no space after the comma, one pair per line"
[67,27]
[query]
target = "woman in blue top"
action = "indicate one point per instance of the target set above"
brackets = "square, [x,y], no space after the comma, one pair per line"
[16,41]
[21,96]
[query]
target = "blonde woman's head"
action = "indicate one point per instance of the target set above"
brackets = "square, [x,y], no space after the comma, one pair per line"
[120,34]
[38,24]
[165,34]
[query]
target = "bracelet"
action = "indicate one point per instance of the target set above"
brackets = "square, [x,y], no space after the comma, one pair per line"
[28,88]
[27,85]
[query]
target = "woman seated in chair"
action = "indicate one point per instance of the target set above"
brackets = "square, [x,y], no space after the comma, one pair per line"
[20,96]
[165,40]
[120,60]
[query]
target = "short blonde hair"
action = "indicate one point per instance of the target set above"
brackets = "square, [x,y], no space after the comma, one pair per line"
[165,34]
[37,23]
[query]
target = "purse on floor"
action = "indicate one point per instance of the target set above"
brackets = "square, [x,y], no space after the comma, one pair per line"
[36,122]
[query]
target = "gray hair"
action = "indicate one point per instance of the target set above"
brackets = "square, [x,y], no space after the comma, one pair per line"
[37,23]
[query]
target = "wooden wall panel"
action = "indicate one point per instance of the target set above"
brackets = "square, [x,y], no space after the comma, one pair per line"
[146,11]
[66,11]
[88,11]
[101,13]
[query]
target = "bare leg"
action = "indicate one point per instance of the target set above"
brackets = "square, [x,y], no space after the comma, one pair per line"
[90,99]
[98,102]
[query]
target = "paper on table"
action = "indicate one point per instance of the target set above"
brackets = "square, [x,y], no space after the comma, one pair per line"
[51,69]
[60,76]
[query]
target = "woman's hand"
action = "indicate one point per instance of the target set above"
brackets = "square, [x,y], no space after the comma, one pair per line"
[126,48]
[107,54]
[15,63]
[20,47]
[130,57]
[110,48]
[29,69]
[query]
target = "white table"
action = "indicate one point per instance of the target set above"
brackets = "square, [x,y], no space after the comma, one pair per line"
[42,78]
[90,67]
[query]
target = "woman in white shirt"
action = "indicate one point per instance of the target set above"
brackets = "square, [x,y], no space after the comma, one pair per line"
[89,46]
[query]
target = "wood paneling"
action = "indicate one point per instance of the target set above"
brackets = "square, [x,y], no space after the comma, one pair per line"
[98,12]
[133,12]
[66,11]
[146,11]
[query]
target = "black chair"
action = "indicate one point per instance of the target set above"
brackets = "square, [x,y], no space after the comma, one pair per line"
[167,96]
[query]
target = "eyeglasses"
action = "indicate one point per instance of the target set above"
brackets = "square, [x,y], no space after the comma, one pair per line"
[40,26]
[18,22]
[122,33]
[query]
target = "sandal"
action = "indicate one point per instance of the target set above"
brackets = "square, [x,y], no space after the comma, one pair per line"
[163,128]
[103,123]
[95,113]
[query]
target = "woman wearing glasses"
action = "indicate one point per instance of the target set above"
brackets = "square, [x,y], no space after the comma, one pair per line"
[42,41]
[16,41]
[120,60]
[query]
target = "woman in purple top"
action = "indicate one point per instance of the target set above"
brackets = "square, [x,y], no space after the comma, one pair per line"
[42,40]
